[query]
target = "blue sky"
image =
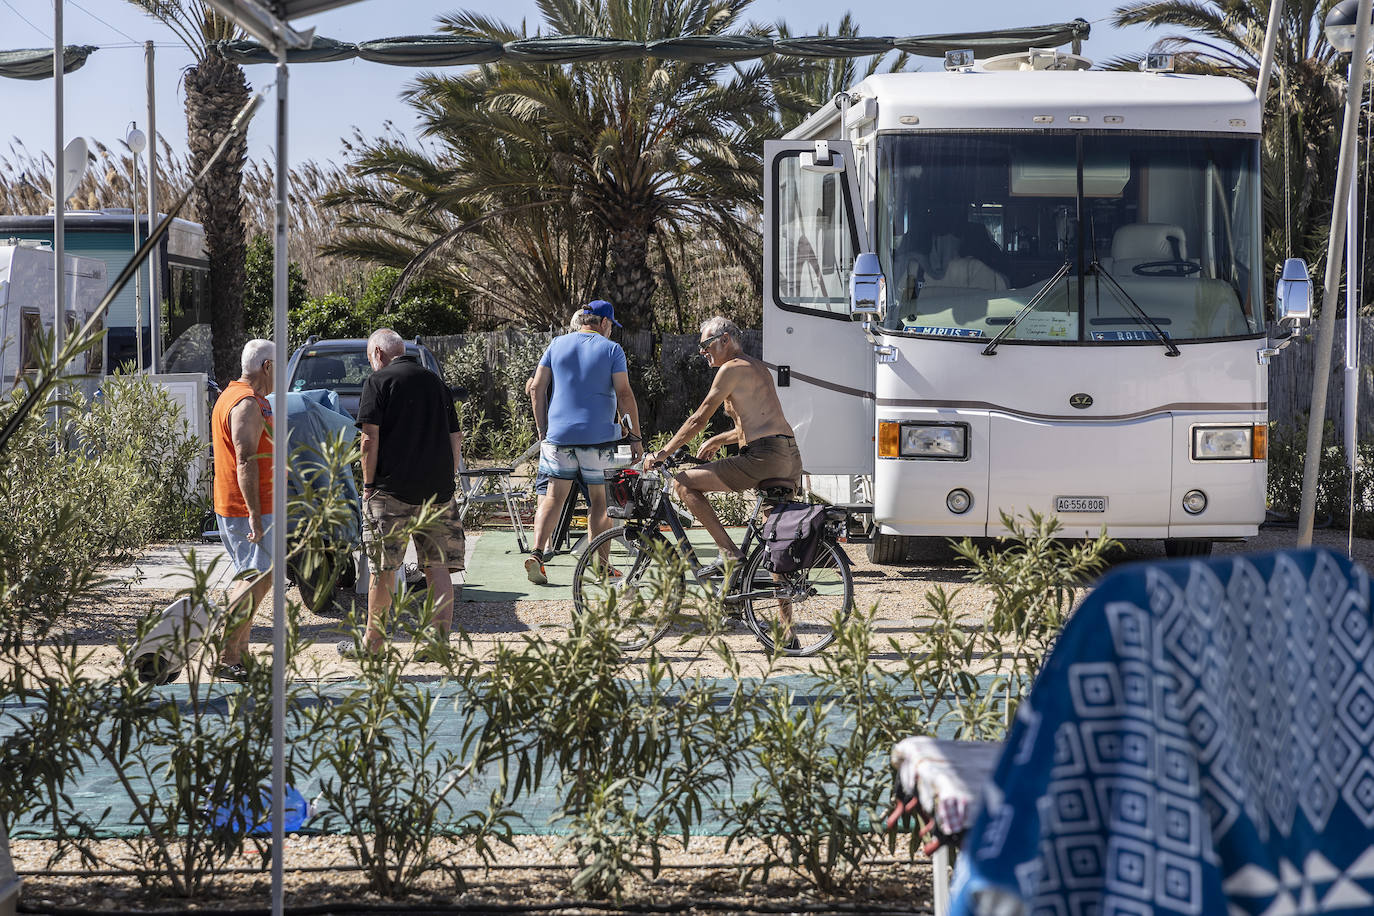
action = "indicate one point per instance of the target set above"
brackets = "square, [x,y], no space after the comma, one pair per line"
[328,100]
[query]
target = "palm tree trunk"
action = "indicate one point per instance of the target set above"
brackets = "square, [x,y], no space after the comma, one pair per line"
[632,282]
[215,92]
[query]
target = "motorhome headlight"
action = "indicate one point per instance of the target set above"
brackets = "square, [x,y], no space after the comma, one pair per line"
[1223,443]
[927,440]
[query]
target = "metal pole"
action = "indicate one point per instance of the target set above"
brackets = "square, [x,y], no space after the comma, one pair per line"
[1271,37]
[138,308]
[1352,317]
[279,522]
[154,300]
[59,191]
[1326,324]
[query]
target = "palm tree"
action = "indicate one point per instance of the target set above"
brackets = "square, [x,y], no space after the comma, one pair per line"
[523,258]
[649,150]
[215,92]
[1303,112]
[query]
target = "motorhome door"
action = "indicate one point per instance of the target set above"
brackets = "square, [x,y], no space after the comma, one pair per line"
[824,367]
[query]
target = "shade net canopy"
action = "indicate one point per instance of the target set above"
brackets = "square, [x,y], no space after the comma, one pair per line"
[36,63]
[455,50]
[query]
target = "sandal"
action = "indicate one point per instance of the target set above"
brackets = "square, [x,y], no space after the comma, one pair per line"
[236,672]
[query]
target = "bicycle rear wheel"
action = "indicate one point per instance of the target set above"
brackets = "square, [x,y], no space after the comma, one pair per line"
[637,578]
[803,605]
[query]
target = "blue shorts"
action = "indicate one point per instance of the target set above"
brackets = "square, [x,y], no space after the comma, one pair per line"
[246,556]
[564,462]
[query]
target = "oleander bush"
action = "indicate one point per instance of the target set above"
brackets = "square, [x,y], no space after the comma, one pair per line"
[1287,454]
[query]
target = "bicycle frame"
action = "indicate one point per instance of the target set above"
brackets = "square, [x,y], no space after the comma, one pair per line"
[664,514]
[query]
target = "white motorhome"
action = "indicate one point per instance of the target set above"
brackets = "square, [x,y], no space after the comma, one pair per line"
[1073,301]
[27,307]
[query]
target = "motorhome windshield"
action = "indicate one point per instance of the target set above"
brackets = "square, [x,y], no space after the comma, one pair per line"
[970,227]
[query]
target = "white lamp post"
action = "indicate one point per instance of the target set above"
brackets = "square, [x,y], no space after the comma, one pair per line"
[1339,28]
[137,141]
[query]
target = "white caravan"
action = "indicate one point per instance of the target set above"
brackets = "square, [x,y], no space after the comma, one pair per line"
[1073,301]
[26,306]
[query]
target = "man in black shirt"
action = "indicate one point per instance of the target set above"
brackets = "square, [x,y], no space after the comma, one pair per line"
[412,446]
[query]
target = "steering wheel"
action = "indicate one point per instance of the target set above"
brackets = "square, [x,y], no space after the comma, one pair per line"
[1170,268]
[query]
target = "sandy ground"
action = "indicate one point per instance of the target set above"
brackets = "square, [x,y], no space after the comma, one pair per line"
[534,872]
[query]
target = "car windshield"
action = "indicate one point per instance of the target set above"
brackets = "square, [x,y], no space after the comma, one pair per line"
[339,370]
[1160,234]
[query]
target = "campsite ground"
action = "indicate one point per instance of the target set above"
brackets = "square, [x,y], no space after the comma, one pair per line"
[535,872]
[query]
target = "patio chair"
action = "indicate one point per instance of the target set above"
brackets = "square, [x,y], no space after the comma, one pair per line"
[1197,742]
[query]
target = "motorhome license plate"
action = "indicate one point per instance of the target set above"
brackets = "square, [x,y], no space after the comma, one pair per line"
[1080,504]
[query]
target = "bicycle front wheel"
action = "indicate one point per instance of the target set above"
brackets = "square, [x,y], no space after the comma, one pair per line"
[795,613]
[635,580]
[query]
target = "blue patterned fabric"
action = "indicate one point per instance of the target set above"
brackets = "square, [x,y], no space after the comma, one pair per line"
[1197,742]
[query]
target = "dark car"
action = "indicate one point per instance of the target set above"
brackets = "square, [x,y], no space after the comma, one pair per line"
[341,365]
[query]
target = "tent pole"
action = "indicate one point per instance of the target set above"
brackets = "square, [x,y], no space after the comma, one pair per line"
[1335,247]
[154,300]
[279,522]
[1271,37]
[59,191]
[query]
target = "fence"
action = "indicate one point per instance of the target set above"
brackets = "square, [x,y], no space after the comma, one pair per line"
[668,374]
[1290,382]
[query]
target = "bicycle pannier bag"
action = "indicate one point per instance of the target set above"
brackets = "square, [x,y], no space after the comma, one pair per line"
[791,536]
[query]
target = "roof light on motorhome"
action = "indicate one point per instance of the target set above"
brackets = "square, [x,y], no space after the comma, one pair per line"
[1157,63]
[959,60]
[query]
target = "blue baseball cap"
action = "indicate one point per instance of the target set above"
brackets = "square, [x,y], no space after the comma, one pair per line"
[604,309]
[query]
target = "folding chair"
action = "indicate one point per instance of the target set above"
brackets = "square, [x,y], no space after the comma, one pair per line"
[486,486]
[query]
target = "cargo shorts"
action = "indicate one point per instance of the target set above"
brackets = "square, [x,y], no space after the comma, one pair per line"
[386,521]
[760,460]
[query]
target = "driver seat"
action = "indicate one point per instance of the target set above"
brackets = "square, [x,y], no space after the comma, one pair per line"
[1140,243]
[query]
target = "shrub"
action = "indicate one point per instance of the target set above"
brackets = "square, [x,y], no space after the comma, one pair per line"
[1287,455]
[816,783]
[636,756]
[115,480]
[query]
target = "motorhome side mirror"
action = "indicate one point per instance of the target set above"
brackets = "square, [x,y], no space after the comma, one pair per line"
[1293,295]
[867,288]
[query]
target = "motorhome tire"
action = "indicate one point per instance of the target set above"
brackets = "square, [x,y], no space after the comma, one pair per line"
[888,548]
[1187,547]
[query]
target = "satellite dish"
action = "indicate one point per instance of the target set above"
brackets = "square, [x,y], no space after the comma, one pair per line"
[74,160]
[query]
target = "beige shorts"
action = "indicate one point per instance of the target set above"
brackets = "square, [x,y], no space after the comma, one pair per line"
[388,520]
[762,459]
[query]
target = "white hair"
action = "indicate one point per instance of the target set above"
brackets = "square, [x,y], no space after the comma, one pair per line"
[388,341]
[255,353]
[586,319]
[719,325]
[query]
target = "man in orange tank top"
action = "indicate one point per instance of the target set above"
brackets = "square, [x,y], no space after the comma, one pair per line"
[241,429]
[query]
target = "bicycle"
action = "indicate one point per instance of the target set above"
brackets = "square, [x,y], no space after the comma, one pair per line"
[643,566]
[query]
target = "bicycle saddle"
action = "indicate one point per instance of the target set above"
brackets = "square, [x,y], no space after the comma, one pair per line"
[777,487]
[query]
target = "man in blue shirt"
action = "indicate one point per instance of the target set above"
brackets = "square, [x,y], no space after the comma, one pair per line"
[578,422]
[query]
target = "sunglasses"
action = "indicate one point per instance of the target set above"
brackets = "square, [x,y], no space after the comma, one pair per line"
[706,344]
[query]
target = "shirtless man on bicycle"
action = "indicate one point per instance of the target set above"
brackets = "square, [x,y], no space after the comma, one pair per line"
[768,447]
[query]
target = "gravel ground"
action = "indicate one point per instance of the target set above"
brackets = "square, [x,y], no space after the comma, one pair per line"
[321,870]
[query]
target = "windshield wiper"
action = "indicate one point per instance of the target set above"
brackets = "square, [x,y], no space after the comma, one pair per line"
[1170,349]
[1061,273]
